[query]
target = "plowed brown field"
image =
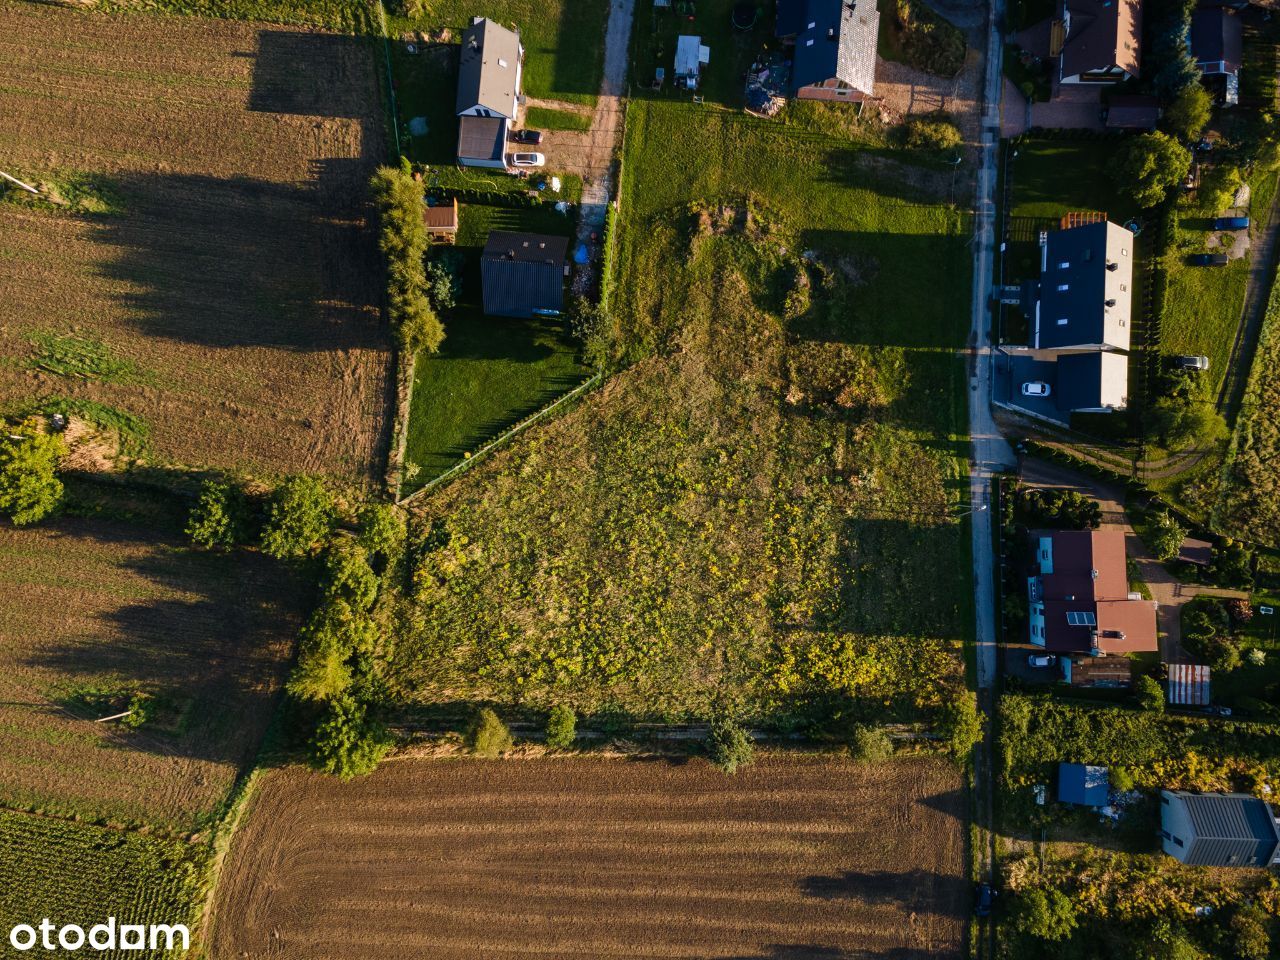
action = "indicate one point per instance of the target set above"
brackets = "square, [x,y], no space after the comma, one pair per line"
[105,610]
[790,858]
[240,281]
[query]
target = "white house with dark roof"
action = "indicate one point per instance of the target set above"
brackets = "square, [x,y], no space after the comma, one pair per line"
[833,47]
[488,100]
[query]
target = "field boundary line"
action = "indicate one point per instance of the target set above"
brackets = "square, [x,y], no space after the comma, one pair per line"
[406,372]
[391,84]
[502,438]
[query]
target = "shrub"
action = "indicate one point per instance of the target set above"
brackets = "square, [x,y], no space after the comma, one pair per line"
[1232,564]
[348,743]
[444,280]
[1257,658]
[300,517]
[1182,422]
[1044,914]
[962,724]
[220,518]
[932,132]
[868,744]
[1147,691]
[1249,935]
[1218,187]
[382,532]
[348,575]
[488,736]
[1241,610]
[562,727]
[728,744]
[1122,779]
[29,486]
[1058,509]
[928,41]
[1148,166]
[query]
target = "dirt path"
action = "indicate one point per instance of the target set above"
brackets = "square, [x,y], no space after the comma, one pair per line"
[1170,593]
[1262,272]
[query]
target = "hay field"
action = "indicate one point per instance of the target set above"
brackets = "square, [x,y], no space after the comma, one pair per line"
[93,613]
[600,858]
[236,290]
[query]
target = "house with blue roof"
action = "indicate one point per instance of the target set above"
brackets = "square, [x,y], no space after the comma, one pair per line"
[833,46]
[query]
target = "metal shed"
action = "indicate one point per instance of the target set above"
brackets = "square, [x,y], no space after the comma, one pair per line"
[1188,684]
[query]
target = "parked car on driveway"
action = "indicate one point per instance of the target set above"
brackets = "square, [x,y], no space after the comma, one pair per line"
[531,137]
[1042,660]
[1035,388]
[1191,363]
[1231,223]
[527,159]
[1208,260]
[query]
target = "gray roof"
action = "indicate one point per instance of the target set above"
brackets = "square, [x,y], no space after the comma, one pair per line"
[481,138]
[522,273]
[835,39]
[1231,829]
[487,68]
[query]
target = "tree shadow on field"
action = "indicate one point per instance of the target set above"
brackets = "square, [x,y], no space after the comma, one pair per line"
[208,632]
[241,262]
[800,951]
[313,74]
[915,890]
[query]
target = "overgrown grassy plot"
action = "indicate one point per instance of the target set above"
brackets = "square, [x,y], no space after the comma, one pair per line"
[74,873]
[347,16]
[563,39]
[100,617]
[491,371]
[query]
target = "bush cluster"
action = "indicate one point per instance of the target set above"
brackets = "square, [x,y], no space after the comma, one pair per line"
[403,240]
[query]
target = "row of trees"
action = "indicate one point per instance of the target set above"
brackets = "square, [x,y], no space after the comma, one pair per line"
[403,239]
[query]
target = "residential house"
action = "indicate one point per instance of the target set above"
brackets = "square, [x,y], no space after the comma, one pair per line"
[1079,317]
[488,101]
[1218,829]
[1079,599]
[1083,785]
[691,55]
[1097,41]
[441,221]
[1217,44]
[833,47]
[522,274]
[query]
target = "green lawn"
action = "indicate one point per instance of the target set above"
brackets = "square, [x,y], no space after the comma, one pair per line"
[491,371]
[541,118]
[1202,311]
[563,39]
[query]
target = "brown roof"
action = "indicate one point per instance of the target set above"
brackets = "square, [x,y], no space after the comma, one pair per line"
[1086,597]
[1086,671]
[1103,33]
[441,218]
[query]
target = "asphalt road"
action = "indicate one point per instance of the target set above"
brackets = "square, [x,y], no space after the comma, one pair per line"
[989,452]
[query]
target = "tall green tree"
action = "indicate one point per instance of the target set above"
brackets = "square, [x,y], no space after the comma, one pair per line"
[403,240]
[220,517]
[1147,167]
[29,484]
[1167,535]
[1044,914]
[348,742]
[1188,113]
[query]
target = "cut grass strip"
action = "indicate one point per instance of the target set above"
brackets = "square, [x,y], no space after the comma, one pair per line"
[544,118]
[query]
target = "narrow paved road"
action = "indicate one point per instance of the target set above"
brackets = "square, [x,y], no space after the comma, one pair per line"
[988,450]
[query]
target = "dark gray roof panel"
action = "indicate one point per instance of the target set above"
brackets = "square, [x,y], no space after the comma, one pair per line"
[481,138]
[1232,829]
[522,273]
[1084,249]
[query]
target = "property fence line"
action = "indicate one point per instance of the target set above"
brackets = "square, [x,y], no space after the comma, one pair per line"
[391,84]
[464,465]
[406,367]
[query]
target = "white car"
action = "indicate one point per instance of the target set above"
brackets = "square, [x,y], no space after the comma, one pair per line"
[1035,388]
[527,159]
[1042,660]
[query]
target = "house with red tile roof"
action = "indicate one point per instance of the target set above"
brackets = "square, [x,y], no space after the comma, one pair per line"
[1079,599]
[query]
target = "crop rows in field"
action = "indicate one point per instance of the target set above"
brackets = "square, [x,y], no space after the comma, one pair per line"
[73,873]
[796,857]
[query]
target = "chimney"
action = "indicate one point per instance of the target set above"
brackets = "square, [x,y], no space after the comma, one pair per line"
[1111,303]
[831,33]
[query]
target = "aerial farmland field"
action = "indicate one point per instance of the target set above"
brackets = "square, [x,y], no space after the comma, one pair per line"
[799,857]
[218,297]
[94,614]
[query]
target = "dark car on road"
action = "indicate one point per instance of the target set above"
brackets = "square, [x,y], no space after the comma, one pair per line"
[1231,223]
[986,899]
[531,137]
[1208,260]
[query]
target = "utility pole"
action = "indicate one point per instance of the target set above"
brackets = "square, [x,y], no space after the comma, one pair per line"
[25,186]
